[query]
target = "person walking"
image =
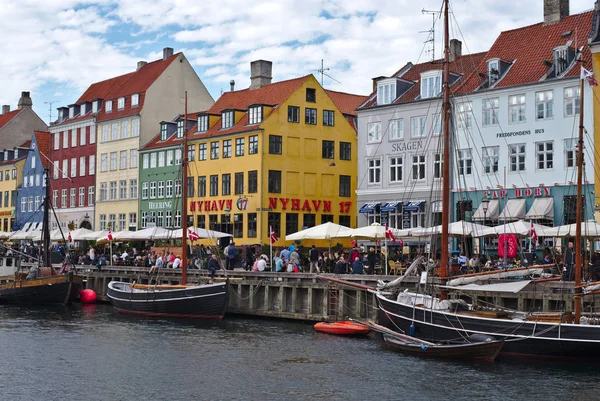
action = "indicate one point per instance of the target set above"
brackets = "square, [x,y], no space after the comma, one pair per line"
[371,260]
[313,256]
[569,262]
[230,254]
[213,265]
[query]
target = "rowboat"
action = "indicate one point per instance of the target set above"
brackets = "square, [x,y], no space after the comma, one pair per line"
[344,328]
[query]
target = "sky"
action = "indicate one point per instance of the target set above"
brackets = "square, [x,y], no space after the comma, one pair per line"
[56,48]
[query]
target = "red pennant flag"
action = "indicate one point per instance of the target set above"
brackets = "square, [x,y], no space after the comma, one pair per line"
[192,235]
[588,76]
[533,234]
[109,235]
[272,236]
[69,238]
[389,235]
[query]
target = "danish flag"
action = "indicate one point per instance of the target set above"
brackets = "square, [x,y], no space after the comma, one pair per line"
[588,76]
[109,235]
[272,236]
[389,235]
[533,234]
[192,235]
[69,238]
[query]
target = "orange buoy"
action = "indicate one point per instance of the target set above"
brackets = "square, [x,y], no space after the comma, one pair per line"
[87,296]
[345,328]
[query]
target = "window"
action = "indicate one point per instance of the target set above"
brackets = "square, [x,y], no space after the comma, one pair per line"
[190,187]
[65,170]
[310,116]
[274,181]
[191,153]
[252,181]
[516,109]
[145,190]
[133,189]
[214,185]
[169,219]
[73,167]
[293,114]
[123,164]
[178,156]
[37,179]
[146,161]
[572,99]
[82,166]
[180,128]
[160,219]
[291,223]
[114,132]
[92,165]
[163,131]
[417,127]
[112,194]
[81,196]
[328,150]
[23,204]
[493,71]
[37,201]
[122,220]
[374,132]
[144,219]
[438,166]
[396,167]
[153,190]
[239,183]
[437,124]
[465,116]
[202,123]
[82,136]
[123,189]
[516,154]
[121,103]
[238,225]
[132,220]
[214,150]
[465,162]
[545,155]
[113,161]
[374,167]
[431,86]
[328,116]
[92,134]
[275,144]
[345,151]
[135,100]
[91,199]
[252,225]
[57,141]
[417,218]
[102,222]
[177,187]
[544,105]
[201,154]
[135,127]
[201,186]
[311,95]
[65,139]
[63,198]
[54,198]
[255,115]
[103,191]
[169,190]
[570,152]
[56,169]
[133,158]
[226,190]
[345,185]
[418,167]
[14,172]
[490,111]
[152,160]
[491,156]
[226,148]
[253,145]
[386,92]
[227,119]
[239,146]
[105,133]
[112,219]
[396,129]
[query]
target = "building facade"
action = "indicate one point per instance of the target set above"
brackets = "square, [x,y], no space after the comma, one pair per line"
[11,169]
[594,45]
[17,125]
[128,118]
[277,154]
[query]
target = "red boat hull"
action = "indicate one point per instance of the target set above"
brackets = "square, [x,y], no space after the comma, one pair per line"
[342,328]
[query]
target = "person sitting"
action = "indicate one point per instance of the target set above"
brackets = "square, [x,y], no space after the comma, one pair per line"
[280,265]
[357,266]
[340,266]
[262,263]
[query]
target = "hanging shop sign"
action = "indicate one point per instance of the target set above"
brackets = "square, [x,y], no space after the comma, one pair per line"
[306,205]
[404,146]
[519,193]
[211,205]
[160,205]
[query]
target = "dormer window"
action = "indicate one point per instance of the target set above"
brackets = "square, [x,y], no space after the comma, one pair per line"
[95,106]
[163,132]
[121,103]
[180,128]
[255,115]
[202,123]
[562,58]
[493,71]
[108,106]
[135,100]
[71,111]
[386,91]
[227,119]
[431,84]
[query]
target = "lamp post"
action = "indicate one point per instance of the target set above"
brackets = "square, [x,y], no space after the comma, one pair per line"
[485,203]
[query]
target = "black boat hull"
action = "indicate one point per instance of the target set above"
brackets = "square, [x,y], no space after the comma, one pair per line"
[482,350]
[51,290]
[197,302]
[522,338]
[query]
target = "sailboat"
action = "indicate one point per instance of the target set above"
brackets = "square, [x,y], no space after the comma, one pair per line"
[43,285]
[205,301]
[436,319]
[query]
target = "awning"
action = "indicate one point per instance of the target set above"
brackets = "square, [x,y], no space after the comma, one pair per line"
[391,206]
[436,207]
[413,206]
[27,226]
[368,207]
[493,210]
[542,208]
[514,209]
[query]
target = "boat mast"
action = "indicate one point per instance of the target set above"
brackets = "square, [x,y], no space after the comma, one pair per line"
[46,260]
[579,209]
[184,199]
[446,160]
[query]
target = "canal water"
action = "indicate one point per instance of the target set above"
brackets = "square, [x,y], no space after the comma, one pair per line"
[92,353]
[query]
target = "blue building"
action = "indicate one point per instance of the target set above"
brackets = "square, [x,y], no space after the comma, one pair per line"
[31,192]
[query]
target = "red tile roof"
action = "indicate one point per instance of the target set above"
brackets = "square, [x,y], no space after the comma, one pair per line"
[347,103]
[529,46]
[137,82]
[7,117]
[43,143]
[100,90]
[156,143]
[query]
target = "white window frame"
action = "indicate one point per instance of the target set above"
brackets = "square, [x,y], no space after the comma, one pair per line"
[65,139]
[92,165]
[74,137]
[112,190]
[570,145]
[438,165]
[63,198]
[202,123]
[491,159]
[572,101]
[72,197]
[465,162]
[517,109]
[436,127]
[153,160]
[386,91]
[65,168]
[544,154]
[122,189]
[92,134]
[82,169]
[113,161]
[108,106]
[121,103]
[135,127]
[145,161]
[490,111]
[81,196]
[517,153]
[396,169]
[123,160]
[82,136]
[431,84]
[144,190]
[104,137]
[396,129]
[161,159]
[464,113]
[419,167]
[493,64]
[374,132]
[91,195]
[255,115]
[135,100]
[226,119]
[416,123]
[56,140]
[133,158]
[544,105]
[374,166]
[103,191]
[133,194]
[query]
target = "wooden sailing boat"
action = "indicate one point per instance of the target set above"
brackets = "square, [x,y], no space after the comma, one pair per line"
[206,301]
[437,319]
[42,286]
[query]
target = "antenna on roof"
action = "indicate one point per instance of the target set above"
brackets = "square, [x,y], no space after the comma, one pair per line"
[324,74]
[431,32]
[50,110]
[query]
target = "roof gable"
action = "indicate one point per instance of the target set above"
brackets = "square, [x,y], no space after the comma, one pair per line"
[7,117]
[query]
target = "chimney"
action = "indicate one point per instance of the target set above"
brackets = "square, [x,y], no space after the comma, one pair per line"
[232,85]
[24,101]
[167,52]
[6,109]
[260,73]
[455,49]
[140,64]
[555,10]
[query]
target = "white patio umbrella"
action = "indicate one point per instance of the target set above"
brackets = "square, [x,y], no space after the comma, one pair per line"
[458,228]
[151,233]
[95,235]
[202,233]
[79,234]
[322,231]
[519,227]
[589,228]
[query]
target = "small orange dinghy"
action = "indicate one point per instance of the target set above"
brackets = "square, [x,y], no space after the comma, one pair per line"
[345,328]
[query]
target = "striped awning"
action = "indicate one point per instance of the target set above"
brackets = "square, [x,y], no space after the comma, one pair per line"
[514,209]
[391,206]
[492,212]
[542,208]
[413,206]
[368,207]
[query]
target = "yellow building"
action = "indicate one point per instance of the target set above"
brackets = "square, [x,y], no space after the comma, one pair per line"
[11,170]
[594,46]
[277,154]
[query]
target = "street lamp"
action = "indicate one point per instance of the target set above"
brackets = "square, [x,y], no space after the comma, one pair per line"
[485,203]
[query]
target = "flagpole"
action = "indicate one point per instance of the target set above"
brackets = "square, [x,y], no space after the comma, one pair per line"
[271,253]
[530,235]
[386,253]
[110,246]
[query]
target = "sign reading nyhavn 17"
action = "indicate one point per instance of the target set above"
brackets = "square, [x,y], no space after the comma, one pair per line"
[306,205]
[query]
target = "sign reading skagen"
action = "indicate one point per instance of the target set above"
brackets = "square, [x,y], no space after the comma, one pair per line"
[404,146]
[160,205]
[519,133]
